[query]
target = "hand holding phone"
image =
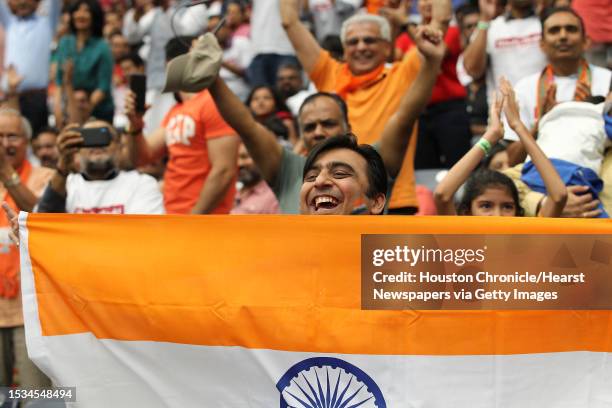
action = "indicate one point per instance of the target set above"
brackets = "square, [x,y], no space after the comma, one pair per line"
[138,85]
[96,137]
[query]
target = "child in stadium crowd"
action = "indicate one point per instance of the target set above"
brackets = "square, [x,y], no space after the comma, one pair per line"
[264,102]
[489,192]
[497,159]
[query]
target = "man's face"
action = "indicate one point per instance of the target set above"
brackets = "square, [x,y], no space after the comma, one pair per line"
[288,81]
[364,48]
[468,24]
[99,161]
[128,68]
[13,140]
[81,100]
[320,119]
[336,184]
[562,37]
[234,16]
[119,46]
[23,8]
[45,148]
[212,23]
[248,174]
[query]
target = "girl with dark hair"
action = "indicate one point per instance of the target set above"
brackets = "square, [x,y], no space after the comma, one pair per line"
[497,159]
[488,192]
[264,102]
[87,57]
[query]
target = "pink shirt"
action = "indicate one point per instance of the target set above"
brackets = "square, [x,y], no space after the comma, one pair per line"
[257,200]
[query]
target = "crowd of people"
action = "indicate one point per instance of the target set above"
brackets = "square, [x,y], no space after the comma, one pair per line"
[299,107]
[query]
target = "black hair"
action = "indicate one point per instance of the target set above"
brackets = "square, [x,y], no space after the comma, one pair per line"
[280,105]
[276,126]
[464,10]
[177,46]
[479,182]
[549,12]
[226,4]
[333,44]
[132,56]
[47,129]
[97,16]
[377,173]
[289,65]
[339,101]
[498,148]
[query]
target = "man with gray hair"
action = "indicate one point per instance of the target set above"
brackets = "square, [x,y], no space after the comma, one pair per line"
[371,88]
[20,185]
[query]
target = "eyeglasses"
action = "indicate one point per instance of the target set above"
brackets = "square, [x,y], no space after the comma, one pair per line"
[352,42]
[11,138]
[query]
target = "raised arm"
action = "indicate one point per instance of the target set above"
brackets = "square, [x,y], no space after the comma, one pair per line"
[555,188]
[459,173]
[53,199]
[142,150]
[475,54]
[223,155]
[11,216]
[259,141]
[396,134]
[306,46]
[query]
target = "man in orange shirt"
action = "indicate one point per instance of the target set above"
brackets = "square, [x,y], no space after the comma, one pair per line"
[202,148]
[371,89]
[20,186]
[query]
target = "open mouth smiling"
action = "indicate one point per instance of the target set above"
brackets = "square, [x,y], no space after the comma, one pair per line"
[324,203]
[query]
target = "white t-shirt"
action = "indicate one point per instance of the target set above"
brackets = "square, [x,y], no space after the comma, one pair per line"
[513,48]
[574,132]
[527,94]
[267,33]
[128,193]
[329,15]
[239,53]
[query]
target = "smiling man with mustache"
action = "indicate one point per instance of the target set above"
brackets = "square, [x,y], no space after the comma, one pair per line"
[566,77]
[340,175]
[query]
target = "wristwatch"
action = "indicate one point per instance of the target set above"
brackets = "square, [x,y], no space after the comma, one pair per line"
[13,181]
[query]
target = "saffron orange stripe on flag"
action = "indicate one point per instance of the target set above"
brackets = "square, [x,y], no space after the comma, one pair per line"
[274,282]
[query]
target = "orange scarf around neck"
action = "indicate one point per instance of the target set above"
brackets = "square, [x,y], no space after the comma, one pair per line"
[547,78]
[347,82]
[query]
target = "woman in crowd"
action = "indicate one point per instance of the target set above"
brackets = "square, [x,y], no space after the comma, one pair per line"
[264,102]
[90,58]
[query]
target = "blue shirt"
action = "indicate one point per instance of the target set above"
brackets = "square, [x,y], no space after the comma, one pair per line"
[28,44]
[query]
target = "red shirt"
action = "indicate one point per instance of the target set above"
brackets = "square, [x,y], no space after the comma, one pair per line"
[189,126]
[447,85]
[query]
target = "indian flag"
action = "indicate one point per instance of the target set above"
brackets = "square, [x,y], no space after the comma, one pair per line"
[265,311]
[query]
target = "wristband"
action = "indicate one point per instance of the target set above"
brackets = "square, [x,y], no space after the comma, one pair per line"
[482,25]
[13,181]
[484,145]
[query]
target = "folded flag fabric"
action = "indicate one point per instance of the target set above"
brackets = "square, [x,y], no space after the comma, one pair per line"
[265,311]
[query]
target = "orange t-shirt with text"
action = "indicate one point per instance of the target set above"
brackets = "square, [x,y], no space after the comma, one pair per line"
[189,126]
[371,106]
